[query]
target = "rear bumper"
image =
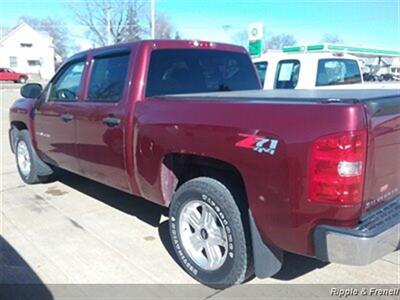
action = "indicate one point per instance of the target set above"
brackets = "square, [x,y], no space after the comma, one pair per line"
[376,235]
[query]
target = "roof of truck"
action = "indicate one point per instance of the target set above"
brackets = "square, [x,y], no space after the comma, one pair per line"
[162,44]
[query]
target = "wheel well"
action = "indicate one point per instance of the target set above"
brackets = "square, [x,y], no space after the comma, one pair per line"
[179,168]
[19,125]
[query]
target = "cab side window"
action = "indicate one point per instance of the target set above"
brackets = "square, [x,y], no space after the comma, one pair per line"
[287,74]
[66,86]
[337,71]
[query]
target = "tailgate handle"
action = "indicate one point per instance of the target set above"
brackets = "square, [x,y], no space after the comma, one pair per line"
[67,117]
[111,121]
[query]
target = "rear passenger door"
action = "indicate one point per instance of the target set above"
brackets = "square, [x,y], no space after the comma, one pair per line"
[100,123]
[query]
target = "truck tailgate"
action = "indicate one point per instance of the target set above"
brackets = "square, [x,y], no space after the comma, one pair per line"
[382,181]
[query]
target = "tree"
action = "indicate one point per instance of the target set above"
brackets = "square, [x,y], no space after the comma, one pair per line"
[279,41]
[331,39]
[56,29]
[164,28]
[110,21]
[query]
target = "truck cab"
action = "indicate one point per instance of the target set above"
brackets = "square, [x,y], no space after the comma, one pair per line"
[278,70]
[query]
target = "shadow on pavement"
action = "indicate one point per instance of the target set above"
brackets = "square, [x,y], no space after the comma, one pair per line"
[17,279]
[142,209]
[293,266]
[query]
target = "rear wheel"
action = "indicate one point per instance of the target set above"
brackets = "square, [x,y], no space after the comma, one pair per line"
[21,80]
[208,233]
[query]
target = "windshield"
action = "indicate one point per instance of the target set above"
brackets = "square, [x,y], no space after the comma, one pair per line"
[183,71]
[338,71]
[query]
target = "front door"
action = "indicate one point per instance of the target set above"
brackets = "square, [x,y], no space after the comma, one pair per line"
[101,119]
[55,124]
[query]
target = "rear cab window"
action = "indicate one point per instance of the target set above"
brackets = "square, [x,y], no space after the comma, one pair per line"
[261,68]
[287,74]
[337,71]
[184,71]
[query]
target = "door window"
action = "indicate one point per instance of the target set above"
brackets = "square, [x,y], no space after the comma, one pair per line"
[107,79]
[67,84]
[287,74]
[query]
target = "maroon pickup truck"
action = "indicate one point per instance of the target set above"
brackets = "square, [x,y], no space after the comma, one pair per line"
[246,173]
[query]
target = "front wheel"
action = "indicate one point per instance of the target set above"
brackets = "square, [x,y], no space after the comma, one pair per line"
[208,233]
[27,159]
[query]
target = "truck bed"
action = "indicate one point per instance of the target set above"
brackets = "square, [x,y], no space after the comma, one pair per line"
[317,96]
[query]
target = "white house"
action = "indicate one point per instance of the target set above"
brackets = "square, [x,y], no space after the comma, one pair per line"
[27,50]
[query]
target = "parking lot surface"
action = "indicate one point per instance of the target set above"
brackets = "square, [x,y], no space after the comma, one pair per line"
[75,230]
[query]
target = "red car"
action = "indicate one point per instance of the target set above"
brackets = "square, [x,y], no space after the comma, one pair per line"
[246,174]
[7,74]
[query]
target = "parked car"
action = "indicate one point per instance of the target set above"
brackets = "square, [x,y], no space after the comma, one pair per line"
[6,74]
[246,174]
[278,70]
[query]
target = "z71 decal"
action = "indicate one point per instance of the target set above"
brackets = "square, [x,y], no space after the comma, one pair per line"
[257,143]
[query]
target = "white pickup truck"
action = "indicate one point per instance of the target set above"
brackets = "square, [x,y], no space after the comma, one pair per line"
[323,70]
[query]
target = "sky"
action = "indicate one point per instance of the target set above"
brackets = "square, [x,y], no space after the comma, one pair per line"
[357,22]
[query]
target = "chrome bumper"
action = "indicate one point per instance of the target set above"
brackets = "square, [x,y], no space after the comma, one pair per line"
[376,235]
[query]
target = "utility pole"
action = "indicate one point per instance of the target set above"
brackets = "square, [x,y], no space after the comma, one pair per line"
[153,18]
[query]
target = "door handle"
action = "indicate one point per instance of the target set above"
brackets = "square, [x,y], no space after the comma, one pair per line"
[67,117]
[111,121]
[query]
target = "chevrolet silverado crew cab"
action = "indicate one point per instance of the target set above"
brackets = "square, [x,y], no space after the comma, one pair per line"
[247,174]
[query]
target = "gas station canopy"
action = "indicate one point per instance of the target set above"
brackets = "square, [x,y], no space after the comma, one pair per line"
[359,51]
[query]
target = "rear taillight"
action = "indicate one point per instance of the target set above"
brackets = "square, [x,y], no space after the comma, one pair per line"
[337,168]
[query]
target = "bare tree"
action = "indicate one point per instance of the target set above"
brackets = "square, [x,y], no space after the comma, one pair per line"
[56,29]
[109,21]
[279,41]
[241,38]
[164,28]
[331,39]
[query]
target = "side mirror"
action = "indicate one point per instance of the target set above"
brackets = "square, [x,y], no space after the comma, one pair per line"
[31,90]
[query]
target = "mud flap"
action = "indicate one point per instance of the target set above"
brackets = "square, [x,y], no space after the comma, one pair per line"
[267,259]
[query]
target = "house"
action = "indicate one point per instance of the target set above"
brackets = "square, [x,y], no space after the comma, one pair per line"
[27,50]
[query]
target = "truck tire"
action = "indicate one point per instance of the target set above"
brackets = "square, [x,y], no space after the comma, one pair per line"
[208,234]
[28,162]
